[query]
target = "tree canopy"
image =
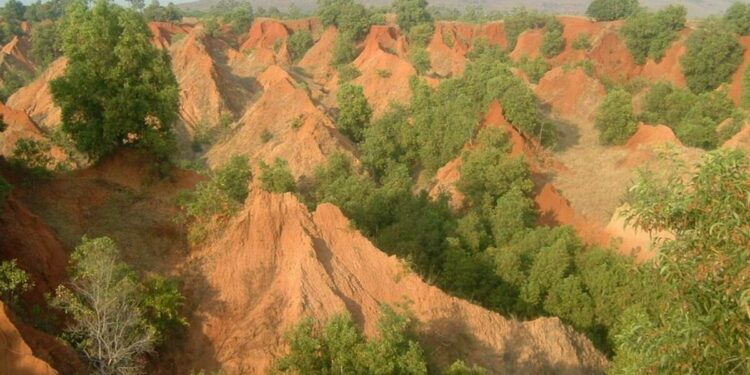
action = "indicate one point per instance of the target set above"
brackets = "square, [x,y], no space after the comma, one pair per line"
[610,10]
[118,89]
[615,119]
[713,55]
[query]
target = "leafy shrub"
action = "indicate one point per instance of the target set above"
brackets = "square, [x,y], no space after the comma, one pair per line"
[582,42]
[713,55]
[586,65]
[648,35]
[421,34]
[348,16]
[266,136]
[277,178]
[13,79]
[217,198]
[45,45]
[340,347]
[13,282]
[553,43]
[162,303]
[421,60]
[298,43]
[32,155]
[384,73]
[354,111]
[348,73]
[534,68]
[344,50]
[615,119]
[412,13]
[610,10]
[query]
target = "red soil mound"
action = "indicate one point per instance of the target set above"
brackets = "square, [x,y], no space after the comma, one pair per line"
[14,56]
[669,68]
[735,89]
[643,144]
[575,27]
[266,40]
[19,125]
[16,357]
[30,241]
[573,95]
[36,99]
[610,55]
[740,140]
[528,44]
[299,131]
[633,241]
[445,182]
[385,68]
[164,31]
[286,263]
[201,102]
[453,40]
[556,210]
[317,60]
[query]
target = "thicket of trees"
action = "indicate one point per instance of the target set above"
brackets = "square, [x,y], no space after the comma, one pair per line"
[713,55]
[649,34]
[610,10]
[354,112]
[738,17]
[123,94]
[553,43]
[694,118]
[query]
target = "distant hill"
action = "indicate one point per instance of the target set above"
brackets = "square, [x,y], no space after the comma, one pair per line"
[696,8]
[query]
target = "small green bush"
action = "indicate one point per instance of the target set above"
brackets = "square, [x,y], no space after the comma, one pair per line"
[348,73]
[615,119]
[421,60]
[354,111]
[421,34]
[582,42]
[610,10]
[553,43]
[13,282]
[32,155]
[266,136]
[277,178]
[535,68]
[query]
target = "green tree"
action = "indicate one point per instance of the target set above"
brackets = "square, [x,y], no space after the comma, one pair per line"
[553,43]
[298,43]
[161,304]
[13,282]
[534,68]
[118,88]
[410,13]
[339,348]
[277,178]
[706,308]
[519,20]
[421,60]
[12,14]
[45,46]
[348,16]
[648,35]
[737,17]
[421,34]
[615,119]
[102,298]
[354,112]
[713,55]
[610,10]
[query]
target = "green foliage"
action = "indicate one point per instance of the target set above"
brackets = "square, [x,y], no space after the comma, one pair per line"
[534,68]
[610,10]
[298,44]
[155,12]
[12,14]
[460,368]
[277,178]
[161,304]
[45,44]
[344,50]
[706,309]
[713,55]
[582,42]
[553,43]
[694,118]
[118,88]
[615,119]
[350,17]
[13,79]
[266,136]
[421,60]
[519,20]
[238,14]
[339,348]
[421,34]
[5,189]
[32,155]
[586,65]
[217,198]
[737,17]
[13,282]
[103,299]
[648,35]
[386,142]
[348,72]
[746,89]
[354,112]
[410,13]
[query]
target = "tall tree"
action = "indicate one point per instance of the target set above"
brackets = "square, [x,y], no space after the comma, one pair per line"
[354,112]
[118,89]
